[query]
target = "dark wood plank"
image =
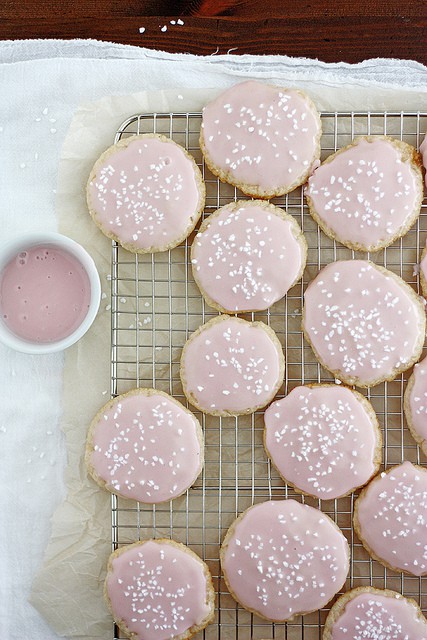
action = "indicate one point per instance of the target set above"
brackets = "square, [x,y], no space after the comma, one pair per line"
[345,30]
[329,38]
[314,9]
[248,9]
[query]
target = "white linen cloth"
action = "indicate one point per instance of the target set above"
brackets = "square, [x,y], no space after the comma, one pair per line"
[41,85]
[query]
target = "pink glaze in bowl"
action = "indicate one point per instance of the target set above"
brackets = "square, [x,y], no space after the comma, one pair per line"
[49,293]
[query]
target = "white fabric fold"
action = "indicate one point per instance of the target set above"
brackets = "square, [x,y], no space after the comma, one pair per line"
[405,74]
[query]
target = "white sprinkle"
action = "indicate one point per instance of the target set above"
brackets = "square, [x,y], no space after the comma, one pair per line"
[141,29]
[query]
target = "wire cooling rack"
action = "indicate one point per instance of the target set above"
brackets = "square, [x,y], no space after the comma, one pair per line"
[156,305]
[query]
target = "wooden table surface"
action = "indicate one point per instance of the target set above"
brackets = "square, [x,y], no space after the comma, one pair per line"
[348,30]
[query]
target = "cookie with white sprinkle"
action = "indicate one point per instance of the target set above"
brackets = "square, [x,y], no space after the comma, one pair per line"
[363,322]
[367,194]
[323,439]
[366,612]
[423,265]
[146,192]
[144,445]
[415,404]
[231,367]
[390,518]
[261,138]
[159,590]
[281,559]
[423,271]
[423,151]
[247,255]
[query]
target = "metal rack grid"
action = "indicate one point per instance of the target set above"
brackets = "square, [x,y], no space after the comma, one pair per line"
[156,305]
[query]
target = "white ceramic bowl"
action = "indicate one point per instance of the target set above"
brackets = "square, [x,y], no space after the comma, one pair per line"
[27,241]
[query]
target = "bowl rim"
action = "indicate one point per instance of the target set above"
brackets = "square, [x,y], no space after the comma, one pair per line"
[25,241]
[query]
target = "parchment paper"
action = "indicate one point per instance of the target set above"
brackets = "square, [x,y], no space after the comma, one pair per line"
[68,588]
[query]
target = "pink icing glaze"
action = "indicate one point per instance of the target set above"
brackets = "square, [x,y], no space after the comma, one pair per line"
[371,616]
[146,193]
[261,134]
[322,440]
[392,514]
[360,321]
[44,294]
[248,258]
[366,193]
[418,399]
[284,558]
[146,447]
[231,365]
[423,151]
[423,264]
[157,590]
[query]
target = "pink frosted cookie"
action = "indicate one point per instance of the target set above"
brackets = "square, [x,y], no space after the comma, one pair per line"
[323,439]
[281,559]
[146,446]
[146,192]
[390,518]
[247,255]
[366,613]
[231,367]
[261,138]
[364,323]
[423,151]
[159,590]
[415,404]
[367,194]
[423,271]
